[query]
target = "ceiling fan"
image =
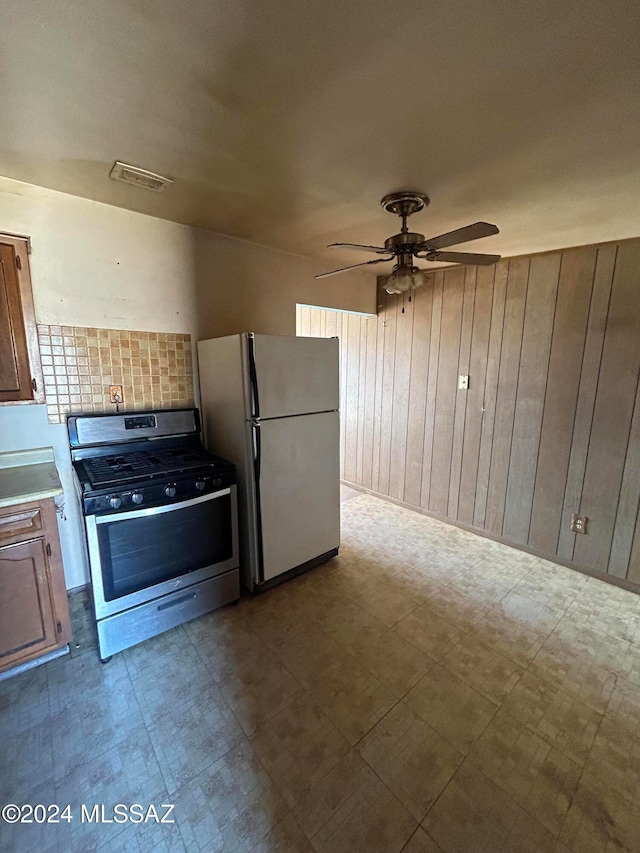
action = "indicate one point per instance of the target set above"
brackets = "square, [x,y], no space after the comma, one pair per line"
[407,245]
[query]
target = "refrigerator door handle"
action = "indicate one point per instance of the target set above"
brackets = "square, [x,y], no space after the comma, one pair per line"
[255,426]
[257,453]
[253,377]
[257,461]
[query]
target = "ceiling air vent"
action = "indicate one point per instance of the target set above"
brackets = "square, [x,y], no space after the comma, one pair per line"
[139,177]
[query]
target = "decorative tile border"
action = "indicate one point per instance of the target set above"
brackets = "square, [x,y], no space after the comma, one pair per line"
[79,364]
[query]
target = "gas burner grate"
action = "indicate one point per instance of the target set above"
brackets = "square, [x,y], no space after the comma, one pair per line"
[119,468]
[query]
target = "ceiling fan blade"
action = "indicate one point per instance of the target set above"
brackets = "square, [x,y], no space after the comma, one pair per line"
[353,266]
[462,258]
[462,235]
[379,249]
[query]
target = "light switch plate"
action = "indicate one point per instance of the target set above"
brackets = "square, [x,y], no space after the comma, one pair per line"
[115,393]
[463,383]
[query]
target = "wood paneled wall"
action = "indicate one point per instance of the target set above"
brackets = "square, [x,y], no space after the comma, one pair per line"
[550,424]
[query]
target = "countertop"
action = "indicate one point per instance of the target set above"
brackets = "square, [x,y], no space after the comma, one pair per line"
[28,475]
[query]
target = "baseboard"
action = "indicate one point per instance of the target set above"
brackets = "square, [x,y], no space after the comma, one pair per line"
[552,558]
[85,587]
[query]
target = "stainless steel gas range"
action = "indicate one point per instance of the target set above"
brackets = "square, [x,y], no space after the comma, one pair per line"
[161,522]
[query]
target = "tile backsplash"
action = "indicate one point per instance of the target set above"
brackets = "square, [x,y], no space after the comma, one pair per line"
[79,364]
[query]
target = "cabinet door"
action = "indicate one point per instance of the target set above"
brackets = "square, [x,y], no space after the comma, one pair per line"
[27,625]
[15,372]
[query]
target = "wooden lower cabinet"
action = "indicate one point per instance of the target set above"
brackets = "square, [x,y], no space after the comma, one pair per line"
[34,611]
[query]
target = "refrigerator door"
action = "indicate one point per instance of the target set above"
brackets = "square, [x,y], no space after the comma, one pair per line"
[295,376]
[225,394]
[299,490]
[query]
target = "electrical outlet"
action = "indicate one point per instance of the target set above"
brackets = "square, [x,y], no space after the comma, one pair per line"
[463,383]
[115,393]
[579,523]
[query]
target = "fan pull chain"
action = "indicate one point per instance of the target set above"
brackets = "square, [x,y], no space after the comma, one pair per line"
[403,300]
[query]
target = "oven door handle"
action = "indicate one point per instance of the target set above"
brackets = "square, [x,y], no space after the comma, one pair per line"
[128,515]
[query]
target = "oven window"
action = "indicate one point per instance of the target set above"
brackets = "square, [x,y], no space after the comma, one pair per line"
[140,552]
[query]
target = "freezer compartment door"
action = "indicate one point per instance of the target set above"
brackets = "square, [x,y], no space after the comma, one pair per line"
[299,490]
[296,376]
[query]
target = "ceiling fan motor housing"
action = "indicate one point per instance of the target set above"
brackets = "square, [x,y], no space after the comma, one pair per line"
[403,242]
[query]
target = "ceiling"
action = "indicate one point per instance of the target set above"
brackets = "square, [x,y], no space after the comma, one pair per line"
[284,123]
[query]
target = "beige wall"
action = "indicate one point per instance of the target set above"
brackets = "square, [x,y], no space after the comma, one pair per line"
[101,266]
[95,265]
[242,287]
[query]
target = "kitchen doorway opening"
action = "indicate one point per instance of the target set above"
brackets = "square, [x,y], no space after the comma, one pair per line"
[316,321]
[354,330]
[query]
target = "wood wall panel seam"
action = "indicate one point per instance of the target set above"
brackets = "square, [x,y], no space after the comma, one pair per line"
[442,444]
[418,386]
[495,402]
[432,384]
[362,363]
[411,364]
[499,371]
[544,397]
[595,398]
[477,368]
[613,412]
[595,394]
[386,414]
[533,374]
[620,551]
[459,423]
[499,473]
[394,401]
[515,402]
[406,436]
[633,571]
[566,358]
[490,394]
[352,343]
[589,375]
[377,409]
[370,387]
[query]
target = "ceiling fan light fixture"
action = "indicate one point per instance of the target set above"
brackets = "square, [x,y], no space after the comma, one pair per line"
[405,279]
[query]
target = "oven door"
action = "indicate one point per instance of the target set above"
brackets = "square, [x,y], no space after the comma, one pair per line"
[139,555]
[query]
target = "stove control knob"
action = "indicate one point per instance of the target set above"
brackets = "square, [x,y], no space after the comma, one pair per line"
[217,483]
[170,490]
[201,485]
[137,497]
[115,502]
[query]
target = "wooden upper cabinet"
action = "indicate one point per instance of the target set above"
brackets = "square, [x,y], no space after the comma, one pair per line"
[20,371]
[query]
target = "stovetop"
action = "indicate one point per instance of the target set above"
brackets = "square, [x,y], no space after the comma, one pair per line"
[158,462]
[134,461]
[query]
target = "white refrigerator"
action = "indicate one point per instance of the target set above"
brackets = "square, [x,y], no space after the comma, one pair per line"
[270,405]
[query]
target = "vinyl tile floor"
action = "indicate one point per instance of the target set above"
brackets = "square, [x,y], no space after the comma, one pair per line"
[428,690]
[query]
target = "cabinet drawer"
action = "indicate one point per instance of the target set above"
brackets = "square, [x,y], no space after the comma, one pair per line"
[22,521]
